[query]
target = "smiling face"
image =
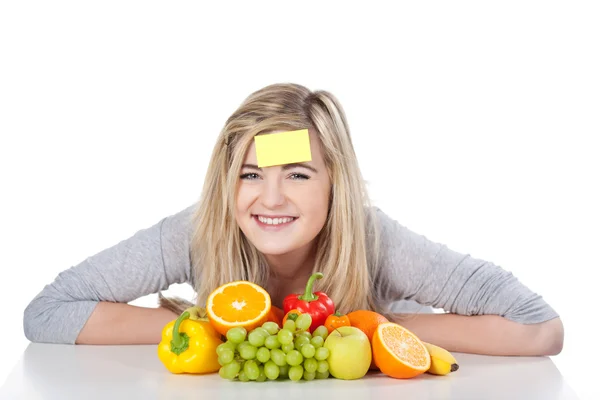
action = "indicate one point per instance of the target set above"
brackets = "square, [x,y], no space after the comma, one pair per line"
[283,208]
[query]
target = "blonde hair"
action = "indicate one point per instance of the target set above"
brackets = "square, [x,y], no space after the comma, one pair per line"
[347,246]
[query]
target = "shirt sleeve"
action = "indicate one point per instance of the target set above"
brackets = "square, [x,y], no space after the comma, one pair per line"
[429,273]
[150,260]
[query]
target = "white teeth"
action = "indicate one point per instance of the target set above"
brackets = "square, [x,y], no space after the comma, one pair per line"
[274,221]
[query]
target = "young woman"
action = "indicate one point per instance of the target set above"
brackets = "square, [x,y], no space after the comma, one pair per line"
[275,226]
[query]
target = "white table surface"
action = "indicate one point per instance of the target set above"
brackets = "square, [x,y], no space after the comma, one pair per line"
[48,371]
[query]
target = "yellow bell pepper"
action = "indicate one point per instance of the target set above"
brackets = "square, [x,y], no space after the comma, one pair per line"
[189,344]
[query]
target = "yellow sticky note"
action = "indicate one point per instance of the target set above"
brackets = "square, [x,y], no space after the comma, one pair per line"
[282,148]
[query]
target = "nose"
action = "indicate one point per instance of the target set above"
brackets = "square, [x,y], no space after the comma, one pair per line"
[272,195]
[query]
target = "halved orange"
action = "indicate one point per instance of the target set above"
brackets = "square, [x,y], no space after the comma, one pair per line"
[238,304]
[398,352]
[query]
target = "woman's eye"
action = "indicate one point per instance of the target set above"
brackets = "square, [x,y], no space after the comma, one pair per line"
[300,177]
[249,176]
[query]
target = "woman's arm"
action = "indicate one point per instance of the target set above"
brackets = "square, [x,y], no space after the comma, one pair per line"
[118,323]
[489,310]
[485,334]
[82,304]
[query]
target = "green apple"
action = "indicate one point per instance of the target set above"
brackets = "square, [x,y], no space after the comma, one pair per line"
[349,353]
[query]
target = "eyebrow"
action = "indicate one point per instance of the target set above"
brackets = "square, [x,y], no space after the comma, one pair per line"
[285,167]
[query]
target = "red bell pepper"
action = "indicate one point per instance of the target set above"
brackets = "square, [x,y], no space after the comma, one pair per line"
[317,304]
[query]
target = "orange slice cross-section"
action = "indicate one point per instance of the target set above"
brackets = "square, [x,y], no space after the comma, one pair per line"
[398,352]
[238,304]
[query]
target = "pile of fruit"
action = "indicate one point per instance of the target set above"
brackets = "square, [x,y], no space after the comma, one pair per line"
[243,337]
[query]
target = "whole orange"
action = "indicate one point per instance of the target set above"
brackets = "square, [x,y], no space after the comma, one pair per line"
[367,321]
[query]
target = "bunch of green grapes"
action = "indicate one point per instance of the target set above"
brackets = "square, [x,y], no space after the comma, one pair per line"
[268,352]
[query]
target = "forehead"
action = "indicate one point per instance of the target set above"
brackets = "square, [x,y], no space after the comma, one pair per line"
[315,148]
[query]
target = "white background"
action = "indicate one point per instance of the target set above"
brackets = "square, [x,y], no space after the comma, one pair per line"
[475,125]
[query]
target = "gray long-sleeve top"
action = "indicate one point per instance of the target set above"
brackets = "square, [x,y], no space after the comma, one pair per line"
[413,268]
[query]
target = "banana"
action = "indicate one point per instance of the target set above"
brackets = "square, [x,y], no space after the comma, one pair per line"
[442,361]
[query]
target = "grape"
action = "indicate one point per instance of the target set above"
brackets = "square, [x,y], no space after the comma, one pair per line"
[287,347]
[278,357]
[271,327]
[261,374]
[321,331]
[230,370]
[248,352]
[243,377]
[284,371]
[311,365]
[272,342]
[242,345]
[305,333]
[309,376]
[322,353]
[317,341]
[262,331]
[251,369]
[226,357]
[308,350]
[322,375]
[256,338]
[225,346]
[236,335]
[303,322]
[295,373]
[322,366]
[222,373]
[285,336]
[263,355]
[271,370]
[294,358]
[300,341]
[289,325]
